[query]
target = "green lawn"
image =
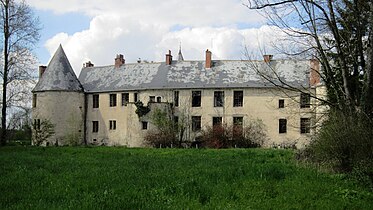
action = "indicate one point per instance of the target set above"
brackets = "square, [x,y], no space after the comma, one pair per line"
[121,178]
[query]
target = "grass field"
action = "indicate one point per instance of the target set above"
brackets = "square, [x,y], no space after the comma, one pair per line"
[121,178]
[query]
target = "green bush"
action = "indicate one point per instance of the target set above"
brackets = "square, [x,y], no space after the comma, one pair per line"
[345,144]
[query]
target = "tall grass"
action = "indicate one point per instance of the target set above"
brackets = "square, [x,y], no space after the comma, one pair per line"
[113,178]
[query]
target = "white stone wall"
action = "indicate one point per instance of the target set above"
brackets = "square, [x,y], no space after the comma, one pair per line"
[65,110]
[259,103]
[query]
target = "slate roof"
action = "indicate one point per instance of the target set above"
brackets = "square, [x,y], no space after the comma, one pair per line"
[192,74]
[59,75]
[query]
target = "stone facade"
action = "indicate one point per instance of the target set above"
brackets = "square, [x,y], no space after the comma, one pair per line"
[99,107]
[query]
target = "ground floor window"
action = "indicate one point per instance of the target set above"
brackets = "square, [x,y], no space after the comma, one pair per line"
[144,125]
[282,125]
[94,126]
[217,121]
[196,123]
[112,124]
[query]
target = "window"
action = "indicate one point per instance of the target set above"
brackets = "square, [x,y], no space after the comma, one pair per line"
[159,99]
[282,125]
[196,123]
[144,125]
[237,126]
[305,99]
[113,100]
[37,124]
[176,98]
[218,98]
[237,98]
[151,98]
[135,97]
[95,101]
[125,99]
[217,121]
[281,103]
[112,124]
[94,126]
[196,98]
[34,100]
[305,125]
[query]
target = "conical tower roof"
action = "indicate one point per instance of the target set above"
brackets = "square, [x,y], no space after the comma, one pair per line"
[180,55]
[59,75]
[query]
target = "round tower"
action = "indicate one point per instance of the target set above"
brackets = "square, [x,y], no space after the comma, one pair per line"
[58,104]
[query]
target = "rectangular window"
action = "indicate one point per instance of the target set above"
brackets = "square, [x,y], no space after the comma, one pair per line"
[218,98]
[305,125]
[112,124]
[95,101]
[144,125]
[217,121]
[135,97]
[305,100]
[37,124]
[237,126]
[237,98]
[94,126]
[125,99]
[196,123]
[159,99]
[34,100]
[282,125]
[176,98]
[113,100]
[281,103]
[151,98]
[196,98]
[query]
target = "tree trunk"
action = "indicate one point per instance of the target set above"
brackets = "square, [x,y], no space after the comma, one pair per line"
[368,89]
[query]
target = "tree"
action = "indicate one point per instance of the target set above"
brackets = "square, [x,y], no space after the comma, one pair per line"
[336,33]
[20,31]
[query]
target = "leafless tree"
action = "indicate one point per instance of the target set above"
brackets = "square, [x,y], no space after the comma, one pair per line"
[20,31]
[336,33]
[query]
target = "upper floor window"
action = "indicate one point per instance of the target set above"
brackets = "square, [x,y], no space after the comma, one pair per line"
[34,97]
[125,99]
[135,97]
[305,100]
[113,100]
[112,124]
[95,102]
[305,125]
[94,126]
[218,98]
[196,98]
[237,98]
[281,103]
[151,98]
[176,98]
[282,125]
[196,123]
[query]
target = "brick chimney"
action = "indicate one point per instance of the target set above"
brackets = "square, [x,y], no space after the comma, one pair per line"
[88,64]
[168,58]
[41,70]
[314,72]
[119,60]
[208,62]
[267,58]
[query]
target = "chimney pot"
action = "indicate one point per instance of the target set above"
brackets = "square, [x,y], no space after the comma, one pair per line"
[119,60]
[267,58]
[41,70]
[168,58]
[89,64]
[208,62]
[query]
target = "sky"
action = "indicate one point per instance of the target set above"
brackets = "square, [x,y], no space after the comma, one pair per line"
[98,30]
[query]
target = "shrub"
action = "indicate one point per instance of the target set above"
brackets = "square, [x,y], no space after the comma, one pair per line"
[345,144]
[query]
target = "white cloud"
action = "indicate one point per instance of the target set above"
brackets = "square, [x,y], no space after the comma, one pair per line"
[147,29]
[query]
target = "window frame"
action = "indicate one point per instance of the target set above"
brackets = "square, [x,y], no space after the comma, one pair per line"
[95,101]
[305,125]
[281,103]
[196,123]
[217,121]
[112,124]
[196,98]
[95,126]
[305,100]
[176,98]
[113,100]
[144,125]
[125,99]
[282,125]
[34,99]
[238,98]
[219,98]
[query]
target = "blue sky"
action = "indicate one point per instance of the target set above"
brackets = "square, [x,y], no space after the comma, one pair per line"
[97,30]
